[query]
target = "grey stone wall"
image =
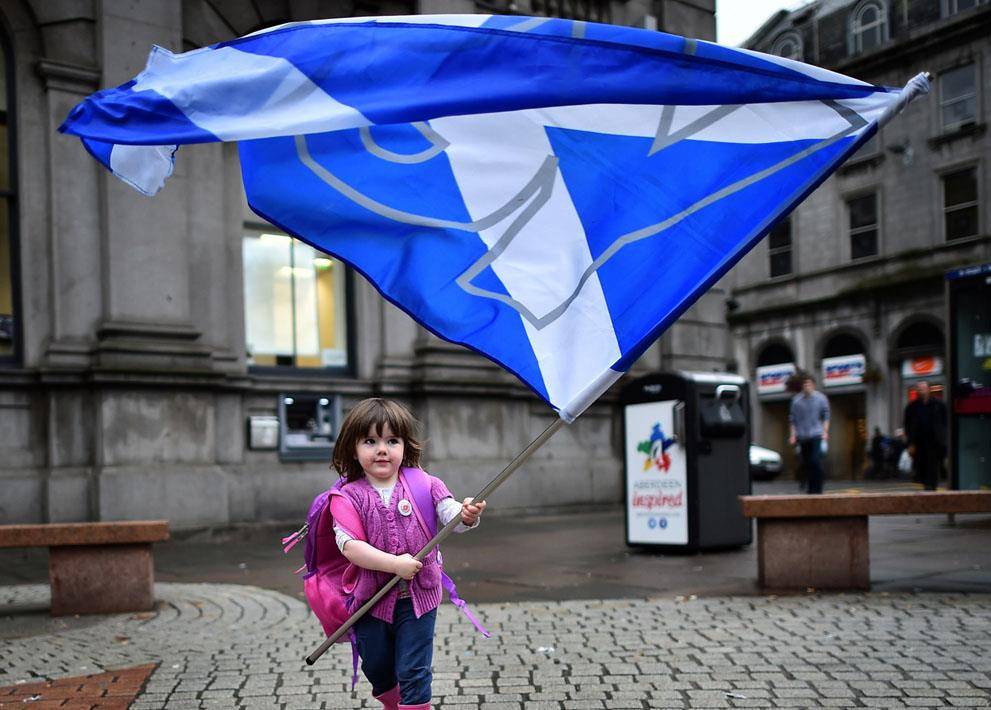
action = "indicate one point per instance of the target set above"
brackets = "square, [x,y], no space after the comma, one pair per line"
[133,392]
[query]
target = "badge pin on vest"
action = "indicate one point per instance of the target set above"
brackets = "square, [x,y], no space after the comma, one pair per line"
[405,508]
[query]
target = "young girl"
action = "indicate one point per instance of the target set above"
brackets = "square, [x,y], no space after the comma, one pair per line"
[395,639]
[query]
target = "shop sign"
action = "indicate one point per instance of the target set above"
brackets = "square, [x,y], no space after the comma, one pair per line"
[843,370]
[982,344]
[774,378]
[922,366]
[656,476]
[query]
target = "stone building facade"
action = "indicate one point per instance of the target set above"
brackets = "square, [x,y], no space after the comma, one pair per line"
[856,276]
[178,358]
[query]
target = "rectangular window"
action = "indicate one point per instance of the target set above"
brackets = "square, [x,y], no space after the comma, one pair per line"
[958,97]
[779,248]
[952,7]
[863,226]
[591,10]
[960,202]
[294,304]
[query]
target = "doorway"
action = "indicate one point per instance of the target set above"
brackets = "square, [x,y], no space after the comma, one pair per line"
[774,435]
[847,457]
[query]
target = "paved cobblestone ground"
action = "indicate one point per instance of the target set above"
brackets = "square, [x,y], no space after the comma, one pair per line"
[98,691]
[226,646]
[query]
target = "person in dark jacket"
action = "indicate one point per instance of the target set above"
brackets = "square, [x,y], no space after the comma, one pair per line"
[925,429]
[879,447]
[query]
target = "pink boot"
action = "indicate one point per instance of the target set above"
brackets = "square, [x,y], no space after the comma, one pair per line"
[389,699]
[424,706]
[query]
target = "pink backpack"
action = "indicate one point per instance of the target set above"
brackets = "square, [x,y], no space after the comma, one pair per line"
[329,578]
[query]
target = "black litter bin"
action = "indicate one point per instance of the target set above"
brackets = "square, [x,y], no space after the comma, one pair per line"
[687,440]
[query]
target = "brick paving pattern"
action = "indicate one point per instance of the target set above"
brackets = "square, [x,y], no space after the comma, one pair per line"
[225,646]
[115,690]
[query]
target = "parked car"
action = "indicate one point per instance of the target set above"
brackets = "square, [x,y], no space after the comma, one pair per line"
[765,464]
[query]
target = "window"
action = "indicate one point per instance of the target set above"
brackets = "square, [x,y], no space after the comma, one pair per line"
[592,10]
[920,335]
[779,247]
[294,303]
[9,325]
[774,354]
[952,7]
[863,225]
[958,97]
[960,214]
[843,344]
[789,46]
[869,27]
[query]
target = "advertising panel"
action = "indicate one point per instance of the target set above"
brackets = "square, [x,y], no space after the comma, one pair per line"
[656,490]
[969,381]
[922,366]
[843,370]
[772,379]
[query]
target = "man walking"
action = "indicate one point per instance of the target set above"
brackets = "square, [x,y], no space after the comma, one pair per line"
[925,428]
[809,420]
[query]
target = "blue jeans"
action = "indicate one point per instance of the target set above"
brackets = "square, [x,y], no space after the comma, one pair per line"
[401,652]
[812,462]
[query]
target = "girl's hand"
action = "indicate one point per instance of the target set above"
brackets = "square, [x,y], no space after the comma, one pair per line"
[406,567]
[470,512]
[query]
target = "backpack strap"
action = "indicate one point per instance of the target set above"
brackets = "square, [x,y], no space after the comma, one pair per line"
[417,482]
[341,511]
[452,593]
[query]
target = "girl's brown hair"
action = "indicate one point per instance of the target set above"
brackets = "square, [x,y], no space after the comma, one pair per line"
[373,414]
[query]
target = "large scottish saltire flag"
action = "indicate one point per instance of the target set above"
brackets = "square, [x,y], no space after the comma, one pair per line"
[550,193]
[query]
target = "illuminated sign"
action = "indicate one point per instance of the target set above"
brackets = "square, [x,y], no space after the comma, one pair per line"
[843,370]
[773,378]
[922,366]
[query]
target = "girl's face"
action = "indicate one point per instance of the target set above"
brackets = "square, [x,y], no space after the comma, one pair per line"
[380,454]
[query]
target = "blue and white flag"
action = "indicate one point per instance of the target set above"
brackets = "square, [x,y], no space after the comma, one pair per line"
[550,193]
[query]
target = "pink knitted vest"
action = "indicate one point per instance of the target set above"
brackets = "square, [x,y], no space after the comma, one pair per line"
[392,532]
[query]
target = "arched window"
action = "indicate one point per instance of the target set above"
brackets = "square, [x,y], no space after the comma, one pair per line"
[921,334]
[952,7]
[917,354]
[789,46]
[868,26]
[775,353]
[843,344]
[10,326]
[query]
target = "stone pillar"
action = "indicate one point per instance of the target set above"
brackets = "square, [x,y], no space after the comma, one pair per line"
[146,320]
[74,263]
[61,250]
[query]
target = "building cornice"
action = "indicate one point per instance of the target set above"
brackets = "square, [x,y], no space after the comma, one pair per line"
[915,282]
[75,78]
[919,42]
[910,278]
[869,266]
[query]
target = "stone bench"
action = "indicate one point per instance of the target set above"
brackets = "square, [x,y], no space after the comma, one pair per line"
[821,541]
[95,568]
